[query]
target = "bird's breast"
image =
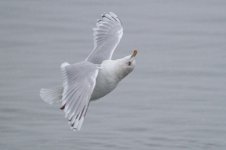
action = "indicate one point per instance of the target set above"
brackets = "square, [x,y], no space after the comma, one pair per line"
[105,83]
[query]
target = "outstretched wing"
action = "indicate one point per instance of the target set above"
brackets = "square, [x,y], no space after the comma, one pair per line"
[79,82]
[107,35]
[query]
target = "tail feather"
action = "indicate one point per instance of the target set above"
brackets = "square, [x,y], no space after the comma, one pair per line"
[51,96]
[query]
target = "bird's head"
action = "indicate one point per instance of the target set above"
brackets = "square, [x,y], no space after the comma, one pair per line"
[126,64]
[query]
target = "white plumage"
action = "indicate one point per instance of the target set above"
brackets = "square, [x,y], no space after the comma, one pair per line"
[107,35]
[94,77]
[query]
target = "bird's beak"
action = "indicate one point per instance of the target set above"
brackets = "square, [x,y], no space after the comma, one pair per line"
[134,53]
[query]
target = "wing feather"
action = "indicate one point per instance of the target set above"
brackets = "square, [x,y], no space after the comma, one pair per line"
[107,35]
[79,82]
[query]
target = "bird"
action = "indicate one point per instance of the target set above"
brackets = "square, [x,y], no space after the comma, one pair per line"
[94,77]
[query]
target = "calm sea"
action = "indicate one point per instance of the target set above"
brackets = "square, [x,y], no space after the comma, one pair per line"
[174,100]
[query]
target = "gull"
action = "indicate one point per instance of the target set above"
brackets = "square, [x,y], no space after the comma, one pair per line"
[94,77]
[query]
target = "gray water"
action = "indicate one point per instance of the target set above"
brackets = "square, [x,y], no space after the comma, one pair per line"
[175,99]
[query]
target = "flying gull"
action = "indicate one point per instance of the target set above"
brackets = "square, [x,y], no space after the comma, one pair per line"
[94,77]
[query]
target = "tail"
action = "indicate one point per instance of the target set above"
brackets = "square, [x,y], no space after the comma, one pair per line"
[51,96]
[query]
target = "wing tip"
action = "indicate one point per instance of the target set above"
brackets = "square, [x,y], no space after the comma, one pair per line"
[62,107]
[77,125]
[111,16]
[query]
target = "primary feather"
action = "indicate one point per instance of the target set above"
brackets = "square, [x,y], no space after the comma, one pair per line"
[107,35]
[79,82]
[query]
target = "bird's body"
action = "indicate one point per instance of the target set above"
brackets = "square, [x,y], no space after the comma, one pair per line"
[105,82]
[94,77]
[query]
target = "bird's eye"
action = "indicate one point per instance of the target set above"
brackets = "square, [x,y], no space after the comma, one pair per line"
[129,63]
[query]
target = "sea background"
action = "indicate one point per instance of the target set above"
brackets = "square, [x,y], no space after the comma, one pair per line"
[175,99]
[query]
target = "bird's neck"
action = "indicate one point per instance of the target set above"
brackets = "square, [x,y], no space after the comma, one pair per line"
[114,69]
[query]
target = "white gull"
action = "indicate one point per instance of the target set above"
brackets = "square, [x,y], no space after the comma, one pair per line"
[94,77]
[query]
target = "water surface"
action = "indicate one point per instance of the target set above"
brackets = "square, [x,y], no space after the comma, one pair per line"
[175,98]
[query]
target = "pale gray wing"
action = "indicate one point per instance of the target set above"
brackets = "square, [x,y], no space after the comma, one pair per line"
[107,35]
[79,82]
